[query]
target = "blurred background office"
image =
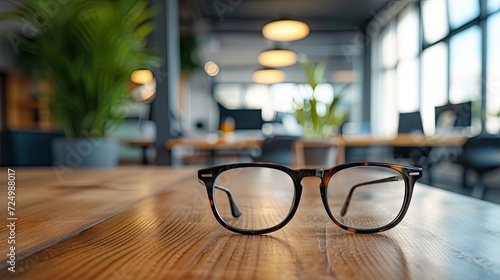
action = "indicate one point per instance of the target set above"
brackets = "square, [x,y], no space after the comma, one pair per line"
[429,67]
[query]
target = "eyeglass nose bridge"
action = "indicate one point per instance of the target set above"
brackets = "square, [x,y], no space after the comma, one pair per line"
[320,173]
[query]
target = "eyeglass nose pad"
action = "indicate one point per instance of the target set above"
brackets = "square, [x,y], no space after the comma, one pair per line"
[311,182]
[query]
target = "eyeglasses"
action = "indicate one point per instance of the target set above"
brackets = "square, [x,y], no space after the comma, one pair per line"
[257,198]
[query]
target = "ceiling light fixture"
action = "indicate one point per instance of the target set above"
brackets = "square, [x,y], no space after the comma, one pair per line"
[268,76]
[277,58]
[285,30]
[211,68]
[141,77]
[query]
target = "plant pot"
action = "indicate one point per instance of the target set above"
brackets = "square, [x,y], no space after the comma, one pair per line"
[85,152]
[320,156]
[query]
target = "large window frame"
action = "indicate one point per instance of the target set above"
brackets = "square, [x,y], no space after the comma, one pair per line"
[479,110]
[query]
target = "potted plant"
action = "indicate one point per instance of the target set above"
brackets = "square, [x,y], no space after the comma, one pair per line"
[318,124]
[86,51]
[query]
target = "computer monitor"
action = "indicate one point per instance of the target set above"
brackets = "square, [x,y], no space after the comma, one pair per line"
[461,111]
[410,123]
[244,119]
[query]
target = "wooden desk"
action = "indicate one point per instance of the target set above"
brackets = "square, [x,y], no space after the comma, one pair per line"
[156,223]
[214,145]
[400,140]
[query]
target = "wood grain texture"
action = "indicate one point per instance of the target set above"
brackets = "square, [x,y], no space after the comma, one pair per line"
[168,232]
[51,208]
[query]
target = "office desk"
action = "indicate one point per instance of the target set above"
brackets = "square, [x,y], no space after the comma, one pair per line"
[156,223]
[215,145]
[400,140]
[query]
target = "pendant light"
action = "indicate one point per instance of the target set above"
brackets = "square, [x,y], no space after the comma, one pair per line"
[285,30]
[277,58]
[268,76]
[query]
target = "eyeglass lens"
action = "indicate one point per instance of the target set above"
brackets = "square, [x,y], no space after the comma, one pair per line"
[264,197]
[366,197]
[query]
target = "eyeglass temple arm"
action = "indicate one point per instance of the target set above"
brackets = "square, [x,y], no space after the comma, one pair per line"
[235,210]
[345,207]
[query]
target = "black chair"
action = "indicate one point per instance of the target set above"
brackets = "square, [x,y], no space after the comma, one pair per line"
[411,123]
[277,149]
[482,155]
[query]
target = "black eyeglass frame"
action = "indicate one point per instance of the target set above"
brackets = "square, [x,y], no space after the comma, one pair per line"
[410,175]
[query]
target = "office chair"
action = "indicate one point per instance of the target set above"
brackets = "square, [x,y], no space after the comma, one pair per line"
[277,149]
[411,123]
[482,155]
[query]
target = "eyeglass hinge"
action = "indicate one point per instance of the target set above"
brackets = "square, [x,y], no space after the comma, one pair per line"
[207,175]
[414,174]
[319,173]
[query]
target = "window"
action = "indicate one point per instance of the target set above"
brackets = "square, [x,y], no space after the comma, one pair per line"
[407,70]
[465,65]
[385,109]
[389,48]
[434,83]
[444,66]
[399,77]
[387,123]
[493,75]
[493,5]
[408,100]
[229,95]
[407,35]
[462,11]
[435,20]
[256,96]
[271,99]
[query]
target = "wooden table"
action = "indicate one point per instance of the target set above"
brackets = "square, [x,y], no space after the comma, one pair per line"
[213,145]
[401,140]
[156,223]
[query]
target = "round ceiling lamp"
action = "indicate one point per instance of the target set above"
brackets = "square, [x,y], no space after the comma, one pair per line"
[285,30]
[141,77]
[211,68]
[268,76]
[277,58]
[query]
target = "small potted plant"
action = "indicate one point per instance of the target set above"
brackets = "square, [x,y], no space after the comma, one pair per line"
[86,50]
[315,124]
